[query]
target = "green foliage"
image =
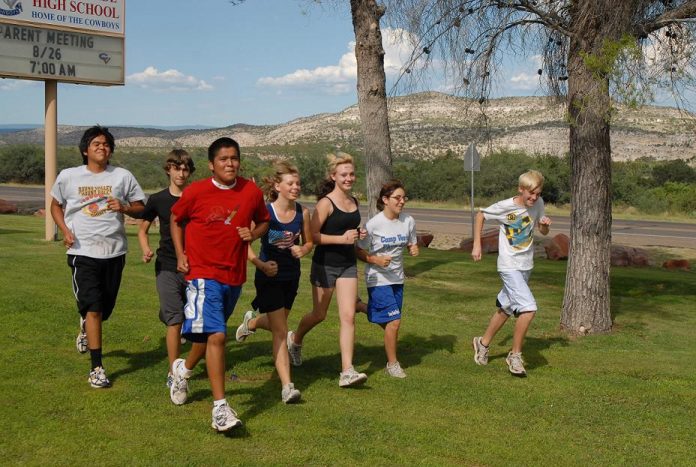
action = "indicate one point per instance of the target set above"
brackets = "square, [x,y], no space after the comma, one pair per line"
[620,399]
[22,163]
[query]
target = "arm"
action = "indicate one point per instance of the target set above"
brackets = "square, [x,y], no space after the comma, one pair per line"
[249,235]
[478,229]
[381,261]
[133,209]
[144,241]
[269,268]
[178,240]
[59,218]
[306,235]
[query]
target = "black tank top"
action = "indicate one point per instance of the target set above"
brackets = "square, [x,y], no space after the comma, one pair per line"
[336,224]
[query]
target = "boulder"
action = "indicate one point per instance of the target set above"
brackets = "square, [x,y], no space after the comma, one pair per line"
[489,242]
[424,238]
[628,256]
[682,264]
[7,208]
[557,247]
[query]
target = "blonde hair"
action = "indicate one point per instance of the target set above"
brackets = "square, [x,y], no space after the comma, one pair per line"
[333,161]
[531,180]
[280,167]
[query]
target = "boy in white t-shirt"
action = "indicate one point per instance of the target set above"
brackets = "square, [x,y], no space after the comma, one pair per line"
[517,217]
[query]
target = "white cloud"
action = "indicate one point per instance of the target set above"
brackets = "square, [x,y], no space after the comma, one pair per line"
[340,78]
[524,81]
[169,80]
[16,84]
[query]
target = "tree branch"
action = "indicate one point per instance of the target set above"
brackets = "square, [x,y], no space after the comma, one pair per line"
[683,13]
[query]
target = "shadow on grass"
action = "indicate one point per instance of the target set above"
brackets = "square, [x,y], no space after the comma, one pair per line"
[412,350]
[13,231]
[140,360]
[533,348]
[423,266]
[664,290]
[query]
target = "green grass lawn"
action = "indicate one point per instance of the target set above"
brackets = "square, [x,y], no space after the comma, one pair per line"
[626,398]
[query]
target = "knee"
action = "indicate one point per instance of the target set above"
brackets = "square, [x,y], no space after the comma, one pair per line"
[216,339]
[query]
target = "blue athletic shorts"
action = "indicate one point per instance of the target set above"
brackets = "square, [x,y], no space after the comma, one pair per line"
[209,304]
[384,303]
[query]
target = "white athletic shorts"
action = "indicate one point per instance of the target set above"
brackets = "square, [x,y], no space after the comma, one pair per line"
[515,297]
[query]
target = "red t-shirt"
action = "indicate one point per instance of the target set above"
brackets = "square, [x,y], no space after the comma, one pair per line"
[213,246]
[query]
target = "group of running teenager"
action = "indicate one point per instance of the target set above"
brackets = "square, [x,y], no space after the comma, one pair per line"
[206,233]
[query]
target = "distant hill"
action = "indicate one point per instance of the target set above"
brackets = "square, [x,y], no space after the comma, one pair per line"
[428,124]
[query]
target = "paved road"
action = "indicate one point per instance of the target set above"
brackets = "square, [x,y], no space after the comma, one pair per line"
[458,222]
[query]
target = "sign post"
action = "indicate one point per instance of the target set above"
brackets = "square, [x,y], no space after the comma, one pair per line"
[472,163]
[56,40]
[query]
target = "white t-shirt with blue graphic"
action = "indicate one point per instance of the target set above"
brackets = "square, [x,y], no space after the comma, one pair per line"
[516,236]
[386,237]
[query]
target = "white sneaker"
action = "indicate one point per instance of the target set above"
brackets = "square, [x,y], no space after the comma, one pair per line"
[480,352]
[289,394]
[224,418]
[243,330]
[81,341]
[178,391]
[350,377]
[395,370]
[170,380]
[97,378]
[516,364]
[294,350]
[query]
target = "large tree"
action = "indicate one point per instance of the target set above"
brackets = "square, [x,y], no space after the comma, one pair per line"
[592,53]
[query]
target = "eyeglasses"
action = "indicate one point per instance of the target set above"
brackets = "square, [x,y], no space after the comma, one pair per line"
[399,198]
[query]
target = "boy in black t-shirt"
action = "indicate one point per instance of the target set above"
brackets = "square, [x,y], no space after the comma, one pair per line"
[171,285]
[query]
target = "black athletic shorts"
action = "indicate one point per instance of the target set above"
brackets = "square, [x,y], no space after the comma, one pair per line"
[272,295]
[95,283]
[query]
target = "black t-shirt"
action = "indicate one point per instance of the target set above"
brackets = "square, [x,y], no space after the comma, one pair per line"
[160,205]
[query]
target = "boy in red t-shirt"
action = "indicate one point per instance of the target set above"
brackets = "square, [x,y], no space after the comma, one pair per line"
[218,213]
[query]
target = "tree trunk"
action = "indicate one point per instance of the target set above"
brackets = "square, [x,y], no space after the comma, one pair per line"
[586,301]
[372,96]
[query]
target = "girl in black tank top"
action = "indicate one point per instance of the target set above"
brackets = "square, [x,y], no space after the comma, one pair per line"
[335,229]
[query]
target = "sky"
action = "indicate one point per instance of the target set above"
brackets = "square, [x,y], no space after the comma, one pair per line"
[211,63]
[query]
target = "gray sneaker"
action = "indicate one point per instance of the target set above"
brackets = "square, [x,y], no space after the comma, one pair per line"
[224,418]
[395,370]
[350,377]
[81,341]
[243,330]
[97,378]
[289,394]
[480,352]
[178,391]
[294,350]
[516,364]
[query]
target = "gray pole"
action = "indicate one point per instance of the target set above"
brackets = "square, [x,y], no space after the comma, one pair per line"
[472,204]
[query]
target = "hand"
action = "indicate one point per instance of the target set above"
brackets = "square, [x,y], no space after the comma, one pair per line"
[381,261]
[362,233]
[245,234]
[68,239]
[413,249]
[476,252]
[147,255]
[351,236]
[269,268]
[115,205]
[545,221]
[297,251]
[182,264]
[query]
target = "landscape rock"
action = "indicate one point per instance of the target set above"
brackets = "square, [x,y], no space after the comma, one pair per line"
[682,264]
[7,208]
[489,242]
[628,256]
[424,238]
[557,247]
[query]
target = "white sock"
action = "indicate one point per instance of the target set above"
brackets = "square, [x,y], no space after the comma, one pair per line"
[220,402]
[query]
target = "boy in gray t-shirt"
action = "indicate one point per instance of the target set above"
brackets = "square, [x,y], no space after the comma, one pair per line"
[88,205]
[517,217]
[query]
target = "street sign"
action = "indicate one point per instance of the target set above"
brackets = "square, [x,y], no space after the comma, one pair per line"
[41,53]
[472,160]
[98,16]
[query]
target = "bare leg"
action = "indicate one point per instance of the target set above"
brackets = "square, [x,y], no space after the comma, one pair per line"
[215,364]
[346,291]
[173,343]
[321,298]
[521,327]
[262,322]
[197,352]
[497,320]
[93,327]
[279,328]
[391,336]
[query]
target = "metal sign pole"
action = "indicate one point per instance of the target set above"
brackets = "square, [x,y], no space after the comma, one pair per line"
[472,204]
[472,162]
[50,144]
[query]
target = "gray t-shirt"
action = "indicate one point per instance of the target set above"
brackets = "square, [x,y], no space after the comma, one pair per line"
[386,237]
[516,235]
[99,232]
